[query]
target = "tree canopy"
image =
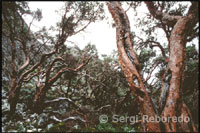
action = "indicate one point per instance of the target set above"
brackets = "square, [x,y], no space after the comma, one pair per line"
[48,85]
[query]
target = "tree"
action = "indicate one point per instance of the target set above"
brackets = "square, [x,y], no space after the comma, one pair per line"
[46,76]
[43,70]
[179,30]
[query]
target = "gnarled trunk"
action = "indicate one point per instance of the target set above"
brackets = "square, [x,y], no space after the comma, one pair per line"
[130,65]
[174,106]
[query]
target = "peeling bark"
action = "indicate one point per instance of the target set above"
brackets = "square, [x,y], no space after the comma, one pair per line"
[130,64]
[176,65]
[175,105]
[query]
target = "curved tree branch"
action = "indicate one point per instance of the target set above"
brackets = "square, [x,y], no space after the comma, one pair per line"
[130,64]
[157,44]
[164,17]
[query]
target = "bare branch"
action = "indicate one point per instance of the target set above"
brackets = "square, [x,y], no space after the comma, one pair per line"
[51,65]
[129,7]
[164,17]
[59,73]
[29,78]
[153,68]
[82,29]
[157,44]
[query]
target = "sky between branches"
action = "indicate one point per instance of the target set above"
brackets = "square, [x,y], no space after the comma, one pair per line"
[99,33]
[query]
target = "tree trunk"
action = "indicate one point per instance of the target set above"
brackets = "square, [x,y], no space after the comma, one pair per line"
[175,105]
[130,65]
[38,102]
[13,96]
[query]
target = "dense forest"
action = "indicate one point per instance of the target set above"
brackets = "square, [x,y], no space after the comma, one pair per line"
[49,86]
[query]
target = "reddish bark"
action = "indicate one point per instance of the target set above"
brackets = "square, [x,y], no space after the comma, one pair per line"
[22,74]
[174,106]
[176,65]
[42,88]
[177,45]
[131,68]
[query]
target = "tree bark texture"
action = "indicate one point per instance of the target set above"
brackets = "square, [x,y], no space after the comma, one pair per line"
[130,65]
[175,105]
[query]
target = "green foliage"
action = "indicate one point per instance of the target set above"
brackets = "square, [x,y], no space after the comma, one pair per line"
[106,127]
[145,56]
[60,127]
[191,52]
[79,14]
[101,82]
[109,127]
[190,87]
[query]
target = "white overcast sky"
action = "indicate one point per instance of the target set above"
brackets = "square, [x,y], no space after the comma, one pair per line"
[99,33]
